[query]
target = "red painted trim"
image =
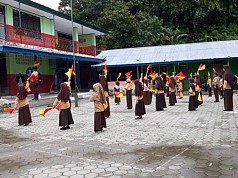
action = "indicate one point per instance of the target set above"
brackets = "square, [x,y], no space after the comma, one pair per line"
[30,37]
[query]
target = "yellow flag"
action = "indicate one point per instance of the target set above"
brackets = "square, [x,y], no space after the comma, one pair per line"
[105,105]
[199,97]
[120,95]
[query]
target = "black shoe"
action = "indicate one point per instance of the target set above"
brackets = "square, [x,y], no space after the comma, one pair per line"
[68,127]
[216,101]
[20,124]
[26,124]
[63,128]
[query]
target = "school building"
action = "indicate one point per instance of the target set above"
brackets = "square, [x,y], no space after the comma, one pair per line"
[172,58]
[32,32]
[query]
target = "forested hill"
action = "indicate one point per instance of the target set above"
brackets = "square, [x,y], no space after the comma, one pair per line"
[135,23]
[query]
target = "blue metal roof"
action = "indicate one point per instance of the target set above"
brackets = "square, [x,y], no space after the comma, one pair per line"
[54,54]
[190,52]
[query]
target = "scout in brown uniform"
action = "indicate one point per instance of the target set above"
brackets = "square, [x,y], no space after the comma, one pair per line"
[116,90]
[21,101]
[180,89]
[228,88]
[140,107]
[192,98]
[221,87]
[99,99]
[159,93]
[62,100]
[215,84]
[198,89]
[128,89]
[146,92]
[103,82]
[172,95]
[209,85]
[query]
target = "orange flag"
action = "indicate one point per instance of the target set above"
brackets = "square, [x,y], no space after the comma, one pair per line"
[9,110]
[201,67]
[105,70]
[180,76]
[42,112]
[70,72]
[118,94]
[128,74]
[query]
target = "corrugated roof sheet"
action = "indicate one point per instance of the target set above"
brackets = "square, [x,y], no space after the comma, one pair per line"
[170,53]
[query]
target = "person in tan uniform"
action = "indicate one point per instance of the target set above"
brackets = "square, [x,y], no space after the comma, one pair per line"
[99,100]
[172,95]
[228,88]
[180,89]
[140,107]
[128,89]
[62,101]
[209,85]
[104,83]
[215,84]
[192,96]
[21,101]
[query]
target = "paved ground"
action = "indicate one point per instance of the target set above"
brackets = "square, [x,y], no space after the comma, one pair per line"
[171,143]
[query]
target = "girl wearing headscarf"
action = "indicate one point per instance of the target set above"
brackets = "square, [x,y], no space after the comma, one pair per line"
[192,96]
[172,95]
[209,85]
[159,93]
[128,89]
[62,101]
[198,89]
[103,82]
[116,91]
[99,100]
[21,101]
[228,88]
[180,89]
[167,86]
[146,92]
[215,84]
[140,107]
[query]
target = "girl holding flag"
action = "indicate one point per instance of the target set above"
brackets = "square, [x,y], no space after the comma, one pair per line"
[128,89]
[140,107]
[62,100]
[99,100]
[21,101]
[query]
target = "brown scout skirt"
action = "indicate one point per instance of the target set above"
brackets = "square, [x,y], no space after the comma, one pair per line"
[228,99]
[99,121]
[140,108]
[65,117]
[24,115]
[129,99]
[160,102]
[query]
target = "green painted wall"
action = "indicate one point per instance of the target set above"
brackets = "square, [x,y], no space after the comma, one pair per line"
[8,15]
[47,26]
[75,34]
[19,63]
[89,39]
[234,66]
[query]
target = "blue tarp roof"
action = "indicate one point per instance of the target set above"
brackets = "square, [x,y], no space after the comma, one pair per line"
[190,52]
[49,53]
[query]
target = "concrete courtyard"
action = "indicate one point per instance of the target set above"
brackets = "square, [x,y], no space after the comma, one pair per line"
[175,143]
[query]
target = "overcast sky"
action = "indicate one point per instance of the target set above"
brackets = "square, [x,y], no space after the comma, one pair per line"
[53,4]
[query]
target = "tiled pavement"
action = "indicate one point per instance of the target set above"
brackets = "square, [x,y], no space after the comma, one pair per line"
[170,143]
